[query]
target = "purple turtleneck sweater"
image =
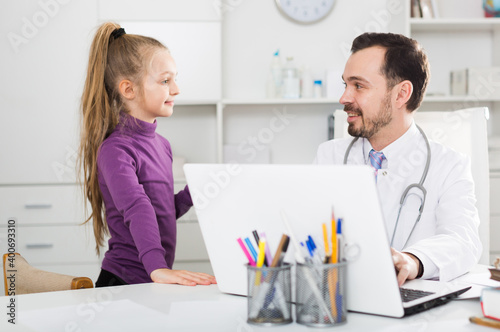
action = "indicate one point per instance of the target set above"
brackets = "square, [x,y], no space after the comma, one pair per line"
[135,177]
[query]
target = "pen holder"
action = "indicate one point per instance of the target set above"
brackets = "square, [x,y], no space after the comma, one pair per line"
[269,295]
[321,294]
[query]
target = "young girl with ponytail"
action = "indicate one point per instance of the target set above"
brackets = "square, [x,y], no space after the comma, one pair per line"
[127,166]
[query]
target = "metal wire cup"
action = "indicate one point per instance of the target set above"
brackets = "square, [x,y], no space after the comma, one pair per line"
[269,295]
[321,294]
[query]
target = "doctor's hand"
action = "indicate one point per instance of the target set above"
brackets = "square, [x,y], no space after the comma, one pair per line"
[181,277]
[406,265]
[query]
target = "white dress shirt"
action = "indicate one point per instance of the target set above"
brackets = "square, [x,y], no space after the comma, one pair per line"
[446,238]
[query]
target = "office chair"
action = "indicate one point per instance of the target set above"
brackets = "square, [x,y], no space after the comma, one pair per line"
[29,279]
[465,131]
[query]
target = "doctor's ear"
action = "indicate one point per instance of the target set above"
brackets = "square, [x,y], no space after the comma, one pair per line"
[404,91]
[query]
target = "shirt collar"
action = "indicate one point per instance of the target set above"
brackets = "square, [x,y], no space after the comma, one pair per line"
[132,125]
[395,147]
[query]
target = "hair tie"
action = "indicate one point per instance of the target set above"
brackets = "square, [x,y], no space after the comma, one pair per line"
[117,33]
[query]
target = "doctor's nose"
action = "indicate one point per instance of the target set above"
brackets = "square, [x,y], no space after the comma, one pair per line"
[346,97]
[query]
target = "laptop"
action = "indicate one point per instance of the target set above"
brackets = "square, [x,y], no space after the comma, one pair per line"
[232,200]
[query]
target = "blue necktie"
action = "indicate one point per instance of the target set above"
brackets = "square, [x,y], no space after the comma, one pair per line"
[376,159]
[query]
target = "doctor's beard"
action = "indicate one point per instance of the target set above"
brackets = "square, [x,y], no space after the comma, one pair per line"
[370,127]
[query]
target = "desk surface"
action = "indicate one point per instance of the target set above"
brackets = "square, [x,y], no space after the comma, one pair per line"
[156,307]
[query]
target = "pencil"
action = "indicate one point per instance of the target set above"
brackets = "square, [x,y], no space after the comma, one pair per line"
[333,278]
[334,241]
[325,239]
[485,322]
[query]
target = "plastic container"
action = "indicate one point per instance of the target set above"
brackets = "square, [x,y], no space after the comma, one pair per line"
[275,77]
[306,83]
[291,81]
[318,89]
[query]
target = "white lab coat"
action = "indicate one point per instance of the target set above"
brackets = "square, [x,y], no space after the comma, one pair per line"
[446,239]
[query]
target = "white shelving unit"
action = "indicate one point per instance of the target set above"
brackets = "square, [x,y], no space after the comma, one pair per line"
[454,44]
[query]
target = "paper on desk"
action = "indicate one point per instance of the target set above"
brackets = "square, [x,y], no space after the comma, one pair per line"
[478,281]
[195,316]
[482,279]
[121,315]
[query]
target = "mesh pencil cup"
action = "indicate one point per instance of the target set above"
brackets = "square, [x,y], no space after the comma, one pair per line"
[321,294]
[269,295]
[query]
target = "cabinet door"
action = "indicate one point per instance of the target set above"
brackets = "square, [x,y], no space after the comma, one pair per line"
[53,244]
[42,205]
[43,64]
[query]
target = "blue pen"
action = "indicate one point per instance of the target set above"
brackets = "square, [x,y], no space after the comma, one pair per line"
[340,241]
[338,299]
[309,248]
[251,248]
[311,241]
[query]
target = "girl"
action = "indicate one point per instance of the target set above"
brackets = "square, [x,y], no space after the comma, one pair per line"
[127,165]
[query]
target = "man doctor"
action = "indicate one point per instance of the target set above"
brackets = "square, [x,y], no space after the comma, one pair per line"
[385,80]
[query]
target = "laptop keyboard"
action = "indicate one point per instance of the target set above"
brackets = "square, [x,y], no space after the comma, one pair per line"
[408,295]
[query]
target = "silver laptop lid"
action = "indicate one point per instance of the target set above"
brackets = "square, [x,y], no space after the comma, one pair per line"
[233,200]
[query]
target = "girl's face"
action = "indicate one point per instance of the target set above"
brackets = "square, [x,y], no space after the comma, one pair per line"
[159,88]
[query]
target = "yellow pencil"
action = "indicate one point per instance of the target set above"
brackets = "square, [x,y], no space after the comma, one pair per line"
[334,240]
[485,322]
[325,239]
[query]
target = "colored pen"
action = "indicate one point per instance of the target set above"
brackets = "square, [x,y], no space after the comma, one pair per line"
[311,241]
[251,248]
[245,250]
[262,253]
[257,240]
[269,257]
[340,241]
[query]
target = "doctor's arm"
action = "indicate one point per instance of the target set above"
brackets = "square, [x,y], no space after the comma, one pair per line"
[455,246]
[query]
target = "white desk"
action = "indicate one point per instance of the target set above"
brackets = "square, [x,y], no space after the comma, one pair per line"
[155,307]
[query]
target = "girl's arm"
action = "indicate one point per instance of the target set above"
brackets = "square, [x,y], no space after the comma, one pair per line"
[183,202]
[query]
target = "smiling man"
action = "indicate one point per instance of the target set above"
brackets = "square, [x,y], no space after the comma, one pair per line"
[434,233]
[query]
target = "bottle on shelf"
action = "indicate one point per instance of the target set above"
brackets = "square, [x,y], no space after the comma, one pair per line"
[291,82]
[275,77]
[318,89]
[306,83]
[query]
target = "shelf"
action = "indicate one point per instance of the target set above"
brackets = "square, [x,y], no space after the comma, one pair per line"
[181,102]
[279,101]
[454,24]
[449,99]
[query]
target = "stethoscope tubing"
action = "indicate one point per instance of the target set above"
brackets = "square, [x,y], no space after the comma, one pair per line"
[419,185]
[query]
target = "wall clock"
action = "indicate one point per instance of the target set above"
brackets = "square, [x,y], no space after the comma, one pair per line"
[305,11]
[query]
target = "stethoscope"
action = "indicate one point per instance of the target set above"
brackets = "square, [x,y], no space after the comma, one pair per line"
[418,186]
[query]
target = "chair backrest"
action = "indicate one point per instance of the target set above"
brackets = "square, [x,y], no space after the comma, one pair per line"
[465,131]
[22,278]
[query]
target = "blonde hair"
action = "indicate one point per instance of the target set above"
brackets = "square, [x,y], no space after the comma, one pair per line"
[113,57]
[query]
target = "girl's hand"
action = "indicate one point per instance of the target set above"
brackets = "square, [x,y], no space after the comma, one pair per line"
[181,277]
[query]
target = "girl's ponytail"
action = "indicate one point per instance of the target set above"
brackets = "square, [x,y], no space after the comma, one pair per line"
[99,119]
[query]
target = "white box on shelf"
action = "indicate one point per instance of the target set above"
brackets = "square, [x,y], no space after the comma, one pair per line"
[481,82]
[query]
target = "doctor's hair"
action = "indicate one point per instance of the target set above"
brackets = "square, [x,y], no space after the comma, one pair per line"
[114,56]
[405,59]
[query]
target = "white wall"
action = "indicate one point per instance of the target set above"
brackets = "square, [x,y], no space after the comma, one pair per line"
[254,29]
